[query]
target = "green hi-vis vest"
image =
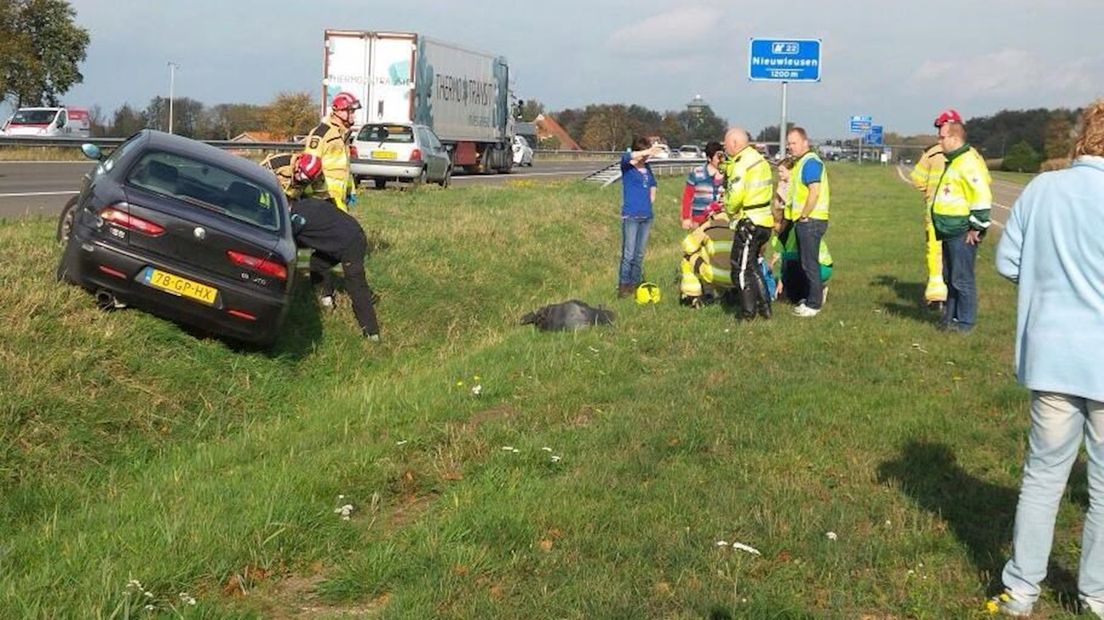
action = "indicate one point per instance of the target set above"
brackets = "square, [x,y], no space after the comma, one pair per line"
[799,192]
[749,187]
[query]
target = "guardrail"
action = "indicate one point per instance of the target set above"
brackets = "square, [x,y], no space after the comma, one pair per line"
[63,142]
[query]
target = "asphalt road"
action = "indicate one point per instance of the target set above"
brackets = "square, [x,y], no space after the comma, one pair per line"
[42,188]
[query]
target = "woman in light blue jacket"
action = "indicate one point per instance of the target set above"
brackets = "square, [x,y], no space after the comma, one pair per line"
[1053,247]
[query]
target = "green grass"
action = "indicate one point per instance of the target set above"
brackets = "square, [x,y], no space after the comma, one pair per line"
[40,153]
[134,450]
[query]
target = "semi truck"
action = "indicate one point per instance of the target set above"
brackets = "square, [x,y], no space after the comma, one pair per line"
[48,123]
[462,95]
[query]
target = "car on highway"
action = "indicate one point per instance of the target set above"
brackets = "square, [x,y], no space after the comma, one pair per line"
[691,151]
[383,152]
[186,231]
[523,153]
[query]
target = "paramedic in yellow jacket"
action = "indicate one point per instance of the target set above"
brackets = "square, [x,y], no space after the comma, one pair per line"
[749,186]
[329,141]
[706,260]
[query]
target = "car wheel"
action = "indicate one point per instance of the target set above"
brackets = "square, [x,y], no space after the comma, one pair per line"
[65,221]
[380,183]
[357,180]
[445,182]
[67,265]
[420,180]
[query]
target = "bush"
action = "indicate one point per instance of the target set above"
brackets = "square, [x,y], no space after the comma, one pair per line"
[1022,158]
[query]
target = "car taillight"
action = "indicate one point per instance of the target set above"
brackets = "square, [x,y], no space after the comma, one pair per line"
[416,155]
[353,153]
[123,219]
[262,265]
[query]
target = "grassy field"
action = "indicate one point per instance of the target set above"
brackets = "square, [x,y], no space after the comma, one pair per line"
[1020,178]
[872,461]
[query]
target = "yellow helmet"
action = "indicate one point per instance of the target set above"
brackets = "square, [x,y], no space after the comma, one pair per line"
[647,293]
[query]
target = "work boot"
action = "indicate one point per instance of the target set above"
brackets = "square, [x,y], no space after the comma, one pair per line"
[625,290]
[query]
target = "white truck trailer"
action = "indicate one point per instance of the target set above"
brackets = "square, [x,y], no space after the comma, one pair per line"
[401,77]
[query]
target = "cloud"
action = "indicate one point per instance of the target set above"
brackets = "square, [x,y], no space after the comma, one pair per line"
[1008,73]
[688,29]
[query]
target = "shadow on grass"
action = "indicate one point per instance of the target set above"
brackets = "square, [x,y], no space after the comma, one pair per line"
[910,299]
[979,513]
[302,328]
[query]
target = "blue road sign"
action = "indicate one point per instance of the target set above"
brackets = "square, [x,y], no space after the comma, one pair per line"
[784,60]
[861,124]
[874,136]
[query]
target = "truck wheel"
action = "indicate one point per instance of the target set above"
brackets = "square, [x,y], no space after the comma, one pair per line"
[380,183]
[420,180]
[65,221]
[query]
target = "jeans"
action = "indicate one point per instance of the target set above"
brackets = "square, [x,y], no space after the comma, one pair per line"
[809,235]
[958,274]
[634,238]
[1058,422]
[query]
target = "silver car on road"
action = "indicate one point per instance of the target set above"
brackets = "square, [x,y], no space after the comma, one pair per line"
[386,152]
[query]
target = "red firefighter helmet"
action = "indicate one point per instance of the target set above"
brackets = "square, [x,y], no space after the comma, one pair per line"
[307,168]
[950,115]
[345,101]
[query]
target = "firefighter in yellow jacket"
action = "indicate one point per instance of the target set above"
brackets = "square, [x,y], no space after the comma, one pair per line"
[329,142]
[706,260]
[297,173]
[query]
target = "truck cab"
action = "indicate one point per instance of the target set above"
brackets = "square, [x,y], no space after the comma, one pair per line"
[47,122]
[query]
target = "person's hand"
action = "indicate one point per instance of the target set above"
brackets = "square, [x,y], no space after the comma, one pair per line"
[351,199]
[687,224]
[973,237]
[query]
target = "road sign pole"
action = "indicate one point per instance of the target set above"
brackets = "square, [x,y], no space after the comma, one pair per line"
[782,126]
[860,148]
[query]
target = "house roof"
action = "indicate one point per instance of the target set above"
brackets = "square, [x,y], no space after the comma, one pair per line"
[548,127]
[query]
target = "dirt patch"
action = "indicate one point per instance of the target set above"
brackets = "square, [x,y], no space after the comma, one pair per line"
[502,411]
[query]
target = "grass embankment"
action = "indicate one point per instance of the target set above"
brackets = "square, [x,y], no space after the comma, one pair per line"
[592,477]
[41,153]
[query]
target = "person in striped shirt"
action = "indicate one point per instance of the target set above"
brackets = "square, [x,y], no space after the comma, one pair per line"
[704,189]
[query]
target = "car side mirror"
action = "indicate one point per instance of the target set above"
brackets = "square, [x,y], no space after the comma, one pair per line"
[91,151]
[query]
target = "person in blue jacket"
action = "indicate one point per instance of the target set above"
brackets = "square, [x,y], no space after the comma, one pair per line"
[1052,247]
[638,191]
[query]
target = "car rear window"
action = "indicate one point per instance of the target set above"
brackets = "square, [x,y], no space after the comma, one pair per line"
[210,187]
[396,134]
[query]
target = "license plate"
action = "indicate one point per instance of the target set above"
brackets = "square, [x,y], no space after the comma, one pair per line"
[181,287]
[383,155]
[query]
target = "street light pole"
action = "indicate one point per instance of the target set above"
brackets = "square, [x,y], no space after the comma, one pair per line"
[172,83]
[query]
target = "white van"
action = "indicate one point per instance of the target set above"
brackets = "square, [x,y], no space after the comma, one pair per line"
[48,123]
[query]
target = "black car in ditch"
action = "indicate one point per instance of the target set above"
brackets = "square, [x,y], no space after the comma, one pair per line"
[186,231]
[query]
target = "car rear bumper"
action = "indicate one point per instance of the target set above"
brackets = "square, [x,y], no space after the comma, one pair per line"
[385,169]
[98,266]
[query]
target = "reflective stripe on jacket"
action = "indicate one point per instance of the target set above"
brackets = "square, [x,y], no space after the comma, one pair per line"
[749,187]
[925,176]
[799,192]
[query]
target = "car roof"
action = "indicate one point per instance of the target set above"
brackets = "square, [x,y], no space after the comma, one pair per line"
[198,150]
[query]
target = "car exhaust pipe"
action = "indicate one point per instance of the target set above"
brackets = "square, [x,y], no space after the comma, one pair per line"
[107,301]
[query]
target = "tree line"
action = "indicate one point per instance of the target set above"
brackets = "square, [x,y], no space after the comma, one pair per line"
[288,114]
[610,127]
[40,49]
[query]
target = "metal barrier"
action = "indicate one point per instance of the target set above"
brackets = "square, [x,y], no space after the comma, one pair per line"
[60,142]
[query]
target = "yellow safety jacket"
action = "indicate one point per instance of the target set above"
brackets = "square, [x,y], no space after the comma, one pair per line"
[327,141]
[925,176]
[706,259]
[749,187]
[799,192]
[963,197]
[283,166]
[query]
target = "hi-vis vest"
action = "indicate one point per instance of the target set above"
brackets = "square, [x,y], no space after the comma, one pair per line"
[925,176]
[748,187]
[799,192]
[327,141]
[707,252]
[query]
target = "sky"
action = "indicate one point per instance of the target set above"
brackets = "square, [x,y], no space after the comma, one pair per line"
[899,62]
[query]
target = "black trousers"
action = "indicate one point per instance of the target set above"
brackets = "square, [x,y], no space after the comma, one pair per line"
[746,276]
[351,258]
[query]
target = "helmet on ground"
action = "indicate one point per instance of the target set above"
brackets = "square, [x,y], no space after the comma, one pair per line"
[950,115]
[647,293]
[307,167]
[345,101]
